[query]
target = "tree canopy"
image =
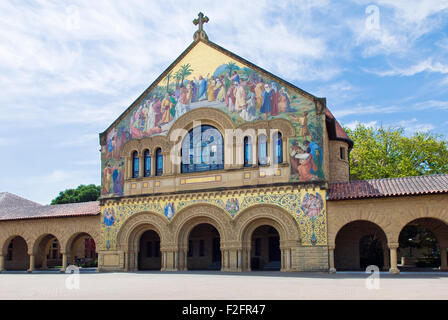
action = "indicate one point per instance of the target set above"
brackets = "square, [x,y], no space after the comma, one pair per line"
[380,152]
[82,193]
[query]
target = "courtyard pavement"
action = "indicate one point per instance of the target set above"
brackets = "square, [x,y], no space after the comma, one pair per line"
[222,285]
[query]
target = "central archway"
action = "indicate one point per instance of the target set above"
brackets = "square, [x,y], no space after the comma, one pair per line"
[204,248]
[281,234]
[265,249]
[183,225]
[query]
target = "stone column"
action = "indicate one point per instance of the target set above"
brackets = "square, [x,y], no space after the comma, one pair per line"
[44,262]
[129,167]
[331,269]
[64,262]
[141,166]
[239,263]
[223,260]
[386,259]
[443,259]
[393,258]
[248,266]
[2,263]
[31,269]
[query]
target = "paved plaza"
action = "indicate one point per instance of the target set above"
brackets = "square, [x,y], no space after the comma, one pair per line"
[220,285]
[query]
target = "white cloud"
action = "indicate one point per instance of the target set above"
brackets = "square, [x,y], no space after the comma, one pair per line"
[412,126]
[423,66]
[353,125]
[363,110]
[401,25]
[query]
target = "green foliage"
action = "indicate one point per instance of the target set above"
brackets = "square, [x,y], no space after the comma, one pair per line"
[82,193]
[231,66]
[185,71]
[388,153]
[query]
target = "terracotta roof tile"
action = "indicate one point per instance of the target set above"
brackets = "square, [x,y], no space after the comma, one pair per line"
[9,200]
[389,187]
[50,211]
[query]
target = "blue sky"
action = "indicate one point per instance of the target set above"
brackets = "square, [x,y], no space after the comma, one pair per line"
[70,68]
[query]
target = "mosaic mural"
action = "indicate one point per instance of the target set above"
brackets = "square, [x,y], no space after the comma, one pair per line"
[205,77]
[306,206]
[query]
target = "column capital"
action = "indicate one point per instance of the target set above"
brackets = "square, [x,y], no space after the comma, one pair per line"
[393,245]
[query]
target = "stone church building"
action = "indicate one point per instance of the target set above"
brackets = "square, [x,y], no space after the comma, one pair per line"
[221,165]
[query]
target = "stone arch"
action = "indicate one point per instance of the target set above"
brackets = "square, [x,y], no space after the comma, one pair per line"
[16,264]
[210,116]
[402,220]
[260,215]
[438,228]
[6,241]
[41,246]
[187,219]
[382,221]
[347,247]
[131,146]
[69,242]
[135,225]
[128,238]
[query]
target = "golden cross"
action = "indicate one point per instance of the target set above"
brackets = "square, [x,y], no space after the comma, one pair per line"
[200,21]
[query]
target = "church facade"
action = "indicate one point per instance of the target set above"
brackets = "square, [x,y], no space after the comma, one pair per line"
[221,165]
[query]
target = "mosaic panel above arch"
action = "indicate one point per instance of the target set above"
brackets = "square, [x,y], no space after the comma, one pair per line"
[306,206]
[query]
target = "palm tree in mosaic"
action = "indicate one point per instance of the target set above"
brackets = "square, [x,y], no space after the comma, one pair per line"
[186,71]
[231,66]
[168,76]
[178,76]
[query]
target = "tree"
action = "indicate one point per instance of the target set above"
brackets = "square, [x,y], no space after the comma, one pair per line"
[178,76]
[185,71]
[388,152]
[231,66]
[168,77]
[82,193]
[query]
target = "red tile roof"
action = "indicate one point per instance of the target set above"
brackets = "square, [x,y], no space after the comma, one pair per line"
[51,211]
[389,187]
[9,200]
[335,130]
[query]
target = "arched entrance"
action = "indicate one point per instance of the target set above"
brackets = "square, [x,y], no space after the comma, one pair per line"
[360,244]
[82,251]
[204,248]
[149,255]
[423,245]
[47,252]
[265,249]
[17,257]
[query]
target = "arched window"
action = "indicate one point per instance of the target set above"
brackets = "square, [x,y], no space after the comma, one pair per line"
[159,162]
[248,152]
[202,150]
[262,150]
[135,165]
[278,148]
[147,163]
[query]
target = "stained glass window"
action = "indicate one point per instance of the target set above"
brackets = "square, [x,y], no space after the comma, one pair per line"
[202,150]
[247,152]
[135,165]
[159,162]
[262,150]
[278,148]
[147,163]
